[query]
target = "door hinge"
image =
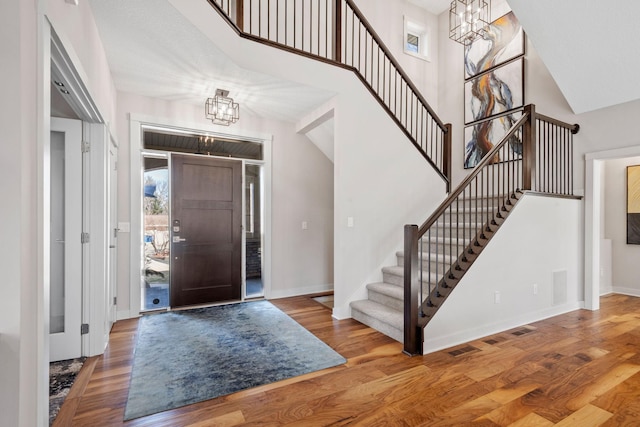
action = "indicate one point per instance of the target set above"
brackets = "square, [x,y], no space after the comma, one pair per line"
[84,329]
[84,238]
[115,300]
[85,146]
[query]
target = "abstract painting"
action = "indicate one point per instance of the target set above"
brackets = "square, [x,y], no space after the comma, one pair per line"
[633,205]
[494,92]
[504,41]
[482,136]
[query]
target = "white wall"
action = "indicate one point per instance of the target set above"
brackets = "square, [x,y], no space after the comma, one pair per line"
[373,160]
[607,128]
[536,242]
[382,183]
[604,129]
[24,121]
[386,18]
[624,257]
[79,34]
[302,190]
[22,322]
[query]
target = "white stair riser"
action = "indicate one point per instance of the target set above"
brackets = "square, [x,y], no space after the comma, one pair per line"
[433,264]
[455,231]
[471,215]
[434,245]
[446,248]
[396,304]
[385,328]
[398,280]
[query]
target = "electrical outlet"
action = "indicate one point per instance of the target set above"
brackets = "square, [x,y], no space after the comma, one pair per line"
[305,225]
[350,222]
[535,289]
[496,297]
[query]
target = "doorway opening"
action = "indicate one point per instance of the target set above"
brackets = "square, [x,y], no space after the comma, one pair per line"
[600,223]
[159,146]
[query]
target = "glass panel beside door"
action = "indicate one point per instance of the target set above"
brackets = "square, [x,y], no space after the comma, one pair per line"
[253,231]
[156,273]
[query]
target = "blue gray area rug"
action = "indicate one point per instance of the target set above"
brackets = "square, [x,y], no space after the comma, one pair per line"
[184,357]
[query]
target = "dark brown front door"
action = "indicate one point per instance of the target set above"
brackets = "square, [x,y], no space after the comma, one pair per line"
[206,230]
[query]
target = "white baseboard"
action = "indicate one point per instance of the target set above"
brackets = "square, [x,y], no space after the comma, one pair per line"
[626,291]
[122,314]
[126,314]
[295,292]
[341,313]
[439,343]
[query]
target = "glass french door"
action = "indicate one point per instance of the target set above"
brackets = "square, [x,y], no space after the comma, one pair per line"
[65,248]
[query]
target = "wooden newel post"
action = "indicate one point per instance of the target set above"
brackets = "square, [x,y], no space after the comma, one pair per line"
[240,14]
[337,31]
[412,331]
[446,155]
[529,139]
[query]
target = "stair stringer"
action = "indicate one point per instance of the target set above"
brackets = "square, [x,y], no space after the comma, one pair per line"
[539,243]
[470,254]
[385,313]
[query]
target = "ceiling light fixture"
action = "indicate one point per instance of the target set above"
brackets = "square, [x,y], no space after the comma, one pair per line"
[221,109]
[469,20]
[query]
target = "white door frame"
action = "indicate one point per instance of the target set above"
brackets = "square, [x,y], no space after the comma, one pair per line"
[136,123]
[67,344]
[54,59]
[593,213]
[96,251]
[66,68]
[112,286]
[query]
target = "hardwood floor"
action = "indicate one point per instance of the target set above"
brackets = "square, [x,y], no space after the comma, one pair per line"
[578,369]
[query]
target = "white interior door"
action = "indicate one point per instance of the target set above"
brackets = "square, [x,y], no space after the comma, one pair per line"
[65,240]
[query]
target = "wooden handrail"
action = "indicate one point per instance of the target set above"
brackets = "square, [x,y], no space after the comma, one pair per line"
[574,128]
[485,160]
[395,63]
[536,154]
[437,143]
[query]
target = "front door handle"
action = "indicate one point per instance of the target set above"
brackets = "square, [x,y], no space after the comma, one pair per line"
[178,239]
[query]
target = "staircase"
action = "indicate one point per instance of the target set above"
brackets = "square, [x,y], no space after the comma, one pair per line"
[383,310]
[339,34]
[536,154]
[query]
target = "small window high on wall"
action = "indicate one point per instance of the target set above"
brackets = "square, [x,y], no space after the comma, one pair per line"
[416,39]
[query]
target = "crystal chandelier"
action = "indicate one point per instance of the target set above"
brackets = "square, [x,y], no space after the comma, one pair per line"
[221,109]
[468,20]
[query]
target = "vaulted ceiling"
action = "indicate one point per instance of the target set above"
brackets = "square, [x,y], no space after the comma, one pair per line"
[590,48]
[153,50]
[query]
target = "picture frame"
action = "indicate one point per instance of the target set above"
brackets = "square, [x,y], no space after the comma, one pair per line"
[494,92]
[633,205]
[507,42]
[490,131]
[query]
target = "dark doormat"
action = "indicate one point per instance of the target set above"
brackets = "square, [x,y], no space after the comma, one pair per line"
[62,374]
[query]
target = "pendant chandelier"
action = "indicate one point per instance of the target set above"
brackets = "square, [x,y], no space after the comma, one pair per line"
[221,109]
[469,20]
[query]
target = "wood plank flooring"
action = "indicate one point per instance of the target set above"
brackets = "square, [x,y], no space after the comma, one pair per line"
[578,369]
